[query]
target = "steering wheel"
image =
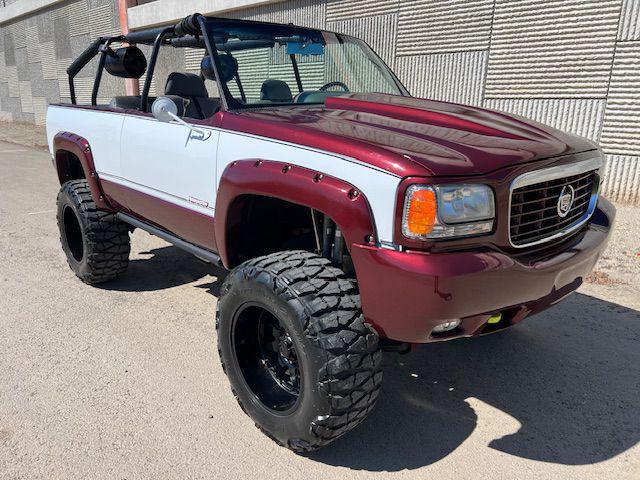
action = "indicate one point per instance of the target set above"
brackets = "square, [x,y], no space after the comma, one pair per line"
[327,86]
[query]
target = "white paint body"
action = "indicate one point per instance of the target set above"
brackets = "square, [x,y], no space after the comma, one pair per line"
[169,162]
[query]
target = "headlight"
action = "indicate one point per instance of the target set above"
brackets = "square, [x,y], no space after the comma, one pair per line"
[444,211]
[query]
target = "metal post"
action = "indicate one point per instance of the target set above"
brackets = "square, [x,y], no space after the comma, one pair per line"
[132,85]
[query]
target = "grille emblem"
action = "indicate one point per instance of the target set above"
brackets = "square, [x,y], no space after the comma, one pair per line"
[565,201]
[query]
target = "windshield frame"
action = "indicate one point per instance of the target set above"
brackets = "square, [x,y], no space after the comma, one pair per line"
[230,103]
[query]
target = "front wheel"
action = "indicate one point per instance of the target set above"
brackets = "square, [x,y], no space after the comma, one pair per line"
[292,339]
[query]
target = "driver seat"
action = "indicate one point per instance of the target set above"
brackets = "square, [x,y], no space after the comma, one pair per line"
[191,87]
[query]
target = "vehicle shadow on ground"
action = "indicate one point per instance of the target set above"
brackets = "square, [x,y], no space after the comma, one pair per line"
[570,377]
[161,268]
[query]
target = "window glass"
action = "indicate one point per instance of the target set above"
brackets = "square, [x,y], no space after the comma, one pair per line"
[267,56]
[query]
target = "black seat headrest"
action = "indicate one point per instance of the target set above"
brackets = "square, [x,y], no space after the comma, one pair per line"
[185,84]
[228,67]
[275,91]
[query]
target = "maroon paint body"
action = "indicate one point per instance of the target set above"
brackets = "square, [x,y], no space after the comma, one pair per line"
[405,294]
[410,136]
[182,222]
[332,196]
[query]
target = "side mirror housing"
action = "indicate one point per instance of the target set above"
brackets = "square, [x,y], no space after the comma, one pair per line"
[167,108]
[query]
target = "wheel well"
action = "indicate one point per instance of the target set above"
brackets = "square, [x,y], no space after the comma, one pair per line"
[258,225]
[68,166]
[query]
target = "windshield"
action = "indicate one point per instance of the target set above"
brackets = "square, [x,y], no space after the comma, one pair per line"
[270,64]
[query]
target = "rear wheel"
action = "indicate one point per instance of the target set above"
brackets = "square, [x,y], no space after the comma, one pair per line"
[292,339]
[95,242]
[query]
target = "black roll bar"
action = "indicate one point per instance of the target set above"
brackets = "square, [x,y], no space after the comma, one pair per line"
[144,37]
[80,62]
[104,48]
[144,98]
[190,26]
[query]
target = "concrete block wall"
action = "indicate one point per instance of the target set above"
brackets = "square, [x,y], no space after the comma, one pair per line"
[573,64]
[35,51]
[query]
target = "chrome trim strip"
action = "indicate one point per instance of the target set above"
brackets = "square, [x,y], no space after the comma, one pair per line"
[569,170]
[540,176]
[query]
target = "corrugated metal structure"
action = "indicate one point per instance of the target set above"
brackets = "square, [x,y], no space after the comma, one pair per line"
[573,64]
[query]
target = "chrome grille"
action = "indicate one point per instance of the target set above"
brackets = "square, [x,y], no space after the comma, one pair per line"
[536,213]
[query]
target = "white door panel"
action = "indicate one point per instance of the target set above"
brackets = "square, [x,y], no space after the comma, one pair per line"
[170,159]
[378,186]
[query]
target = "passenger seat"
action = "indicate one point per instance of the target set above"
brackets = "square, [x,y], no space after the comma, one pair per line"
[191,87]
[276,91]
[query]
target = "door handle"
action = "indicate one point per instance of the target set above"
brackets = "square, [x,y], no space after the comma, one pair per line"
[197,134]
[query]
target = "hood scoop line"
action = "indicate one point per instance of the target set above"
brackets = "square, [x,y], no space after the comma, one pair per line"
[417,115]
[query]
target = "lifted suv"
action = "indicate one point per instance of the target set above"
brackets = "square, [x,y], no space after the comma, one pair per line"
[353,217]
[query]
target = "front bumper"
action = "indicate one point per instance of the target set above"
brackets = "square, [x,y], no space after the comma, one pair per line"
[406,294]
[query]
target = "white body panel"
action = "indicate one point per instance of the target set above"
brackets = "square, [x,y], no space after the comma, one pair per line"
[101,129]
[379,187]
[168,160]
[155,158]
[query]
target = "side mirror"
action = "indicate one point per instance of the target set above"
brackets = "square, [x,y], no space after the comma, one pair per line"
[166,109]
[169,108]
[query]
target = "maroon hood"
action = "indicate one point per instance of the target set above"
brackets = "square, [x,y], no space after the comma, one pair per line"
[409,136]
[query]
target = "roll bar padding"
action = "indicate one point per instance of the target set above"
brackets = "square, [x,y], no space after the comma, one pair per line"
[85,57]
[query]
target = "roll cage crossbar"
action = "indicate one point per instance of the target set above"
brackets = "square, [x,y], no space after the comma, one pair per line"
[189,32]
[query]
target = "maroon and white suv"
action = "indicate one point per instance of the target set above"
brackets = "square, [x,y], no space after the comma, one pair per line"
[353,217]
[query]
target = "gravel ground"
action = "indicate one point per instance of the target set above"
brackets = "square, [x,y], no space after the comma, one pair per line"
[621,261]
[123,381]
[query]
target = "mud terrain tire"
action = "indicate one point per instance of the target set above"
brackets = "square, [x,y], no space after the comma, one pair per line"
[97,245]
[338,356]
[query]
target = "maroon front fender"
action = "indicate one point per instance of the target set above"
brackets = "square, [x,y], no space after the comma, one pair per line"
[65,143]
[340,200]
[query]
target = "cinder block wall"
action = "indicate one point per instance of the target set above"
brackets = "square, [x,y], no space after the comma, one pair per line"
[36,50]
[573,64]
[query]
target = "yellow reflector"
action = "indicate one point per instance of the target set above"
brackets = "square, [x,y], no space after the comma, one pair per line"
[493,319]
[421,215]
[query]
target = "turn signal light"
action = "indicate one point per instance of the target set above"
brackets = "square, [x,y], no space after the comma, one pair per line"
[420,211]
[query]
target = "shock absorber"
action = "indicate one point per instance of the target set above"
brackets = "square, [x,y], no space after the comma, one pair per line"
[332,241]
[328,230]
[338,244]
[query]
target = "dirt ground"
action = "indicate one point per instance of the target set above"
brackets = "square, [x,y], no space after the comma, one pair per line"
[23,134]
[123,381]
